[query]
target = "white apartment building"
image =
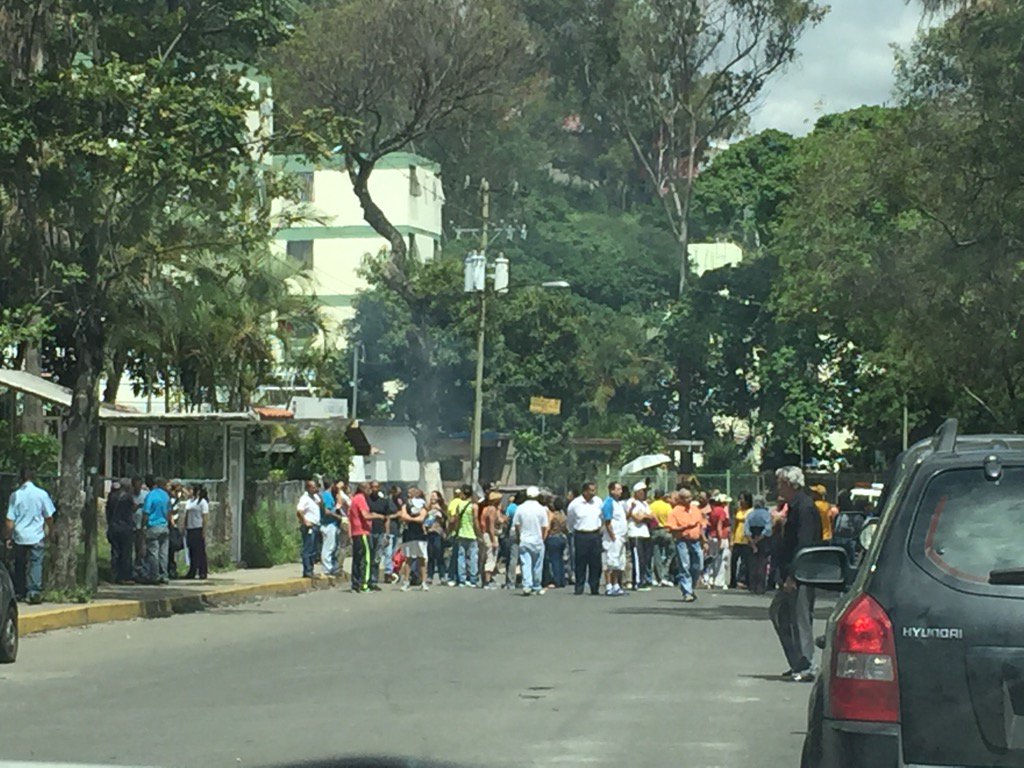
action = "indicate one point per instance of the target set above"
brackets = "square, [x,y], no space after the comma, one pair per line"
[334,239]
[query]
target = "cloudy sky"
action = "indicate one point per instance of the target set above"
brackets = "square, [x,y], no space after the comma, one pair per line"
[844,62]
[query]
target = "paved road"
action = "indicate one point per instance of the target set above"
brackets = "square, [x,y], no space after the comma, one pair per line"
[450,677]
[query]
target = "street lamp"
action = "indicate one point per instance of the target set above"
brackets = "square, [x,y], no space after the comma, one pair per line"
[475,281]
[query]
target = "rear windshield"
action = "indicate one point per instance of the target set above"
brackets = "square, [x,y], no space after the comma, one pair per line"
[969,525]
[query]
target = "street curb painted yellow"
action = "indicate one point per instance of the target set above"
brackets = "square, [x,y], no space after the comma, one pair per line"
[160,607]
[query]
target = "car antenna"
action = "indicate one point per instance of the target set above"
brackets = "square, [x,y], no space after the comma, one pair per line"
[945,438]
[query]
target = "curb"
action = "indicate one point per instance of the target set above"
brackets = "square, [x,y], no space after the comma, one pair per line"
[162,607]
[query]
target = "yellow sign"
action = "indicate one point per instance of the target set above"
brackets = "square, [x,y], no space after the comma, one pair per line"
[546,406]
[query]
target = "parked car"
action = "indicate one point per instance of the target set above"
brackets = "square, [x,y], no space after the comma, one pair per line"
[923,657]
[8,618]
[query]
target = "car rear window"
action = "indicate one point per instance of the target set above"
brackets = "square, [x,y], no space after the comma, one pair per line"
[968,525]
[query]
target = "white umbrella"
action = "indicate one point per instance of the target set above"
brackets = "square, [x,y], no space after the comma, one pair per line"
[643,463]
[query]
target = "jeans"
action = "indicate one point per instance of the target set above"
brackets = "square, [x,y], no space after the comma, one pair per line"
[195,540]
[389,553]
[157,539]
[435,555]
[641,549]
[664,552]
[758,570]
[554,560]
[740,565]
[792,615]
[469,560]
[531,558]
[308,550]
[378,545]
[691,563]
[588,561]
[360,562]
[329,549]
[28,569]
[121,544]
[513,561]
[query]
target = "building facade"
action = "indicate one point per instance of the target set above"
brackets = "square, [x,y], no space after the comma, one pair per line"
[333,240]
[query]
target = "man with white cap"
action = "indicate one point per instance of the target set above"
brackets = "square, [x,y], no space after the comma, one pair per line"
[639,517]
[613,540]
[531,524]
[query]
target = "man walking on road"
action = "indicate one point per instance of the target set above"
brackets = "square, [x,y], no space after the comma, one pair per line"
[613,540]
[308,512]
[792,609]
[359,530]
[29,513]
[585,525]
[686,523]
[531,524]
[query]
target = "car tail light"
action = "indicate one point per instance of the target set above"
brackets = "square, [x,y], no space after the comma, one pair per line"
[865,681]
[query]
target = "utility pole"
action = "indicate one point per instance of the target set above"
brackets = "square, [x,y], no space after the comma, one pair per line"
[357,353]
[476,438]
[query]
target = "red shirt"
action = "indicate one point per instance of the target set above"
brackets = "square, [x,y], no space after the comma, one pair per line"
[719,521]
[358,525]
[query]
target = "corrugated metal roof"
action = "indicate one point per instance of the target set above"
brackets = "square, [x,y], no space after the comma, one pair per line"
[44,389]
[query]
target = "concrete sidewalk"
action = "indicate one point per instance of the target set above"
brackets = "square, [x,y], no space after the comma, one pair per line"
[138,601]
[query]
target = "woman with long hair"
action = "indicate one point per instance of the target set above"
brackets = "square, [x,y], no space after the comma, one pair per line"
[197,508]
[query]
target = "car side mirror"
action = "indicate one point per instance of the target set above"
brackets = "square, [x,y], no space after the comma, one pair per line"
[823,567]
[867,533]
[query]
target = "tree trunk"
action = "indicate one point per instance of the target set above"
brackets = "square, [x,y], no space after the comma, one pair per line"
[32,407]
[80,427]
[359,172]
[114,376]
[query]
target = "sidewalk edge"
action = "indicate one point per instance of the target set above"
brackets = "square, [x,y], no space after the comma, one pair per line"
[162,607]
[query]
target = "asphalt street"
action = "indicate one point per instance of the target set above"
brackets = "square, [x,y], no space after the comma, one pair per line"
[451,677]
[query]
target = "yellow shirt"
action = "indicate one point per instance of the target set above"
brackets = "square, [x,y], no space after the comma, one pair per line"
[825,510]
[661,510]
[739,535]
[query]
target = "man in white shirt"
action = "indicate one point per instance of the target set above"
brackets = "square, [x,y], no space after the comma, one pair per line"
[308,512]
[641,546]
[613,540]
[584,523]
[531,524]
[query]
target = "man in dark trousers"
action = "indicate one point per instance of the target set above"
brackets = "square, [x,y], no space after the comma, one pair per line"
[585,523]
[792,609]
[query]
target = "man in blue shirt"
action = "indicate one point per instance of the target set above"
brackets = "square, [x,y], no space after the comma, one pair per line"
[29,513]
[156,517]
[330,528]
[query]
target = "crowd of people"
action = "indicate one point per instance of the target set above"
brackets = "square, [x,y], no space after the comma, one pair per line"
[633,540]
[149,522]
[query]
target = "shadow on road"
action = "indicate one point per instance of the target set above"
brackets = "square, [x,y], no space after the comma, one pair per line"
[714,612]
[368,761]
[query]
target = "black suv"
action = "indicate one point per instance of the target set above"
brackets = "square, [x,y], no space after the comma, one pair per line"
[923,657]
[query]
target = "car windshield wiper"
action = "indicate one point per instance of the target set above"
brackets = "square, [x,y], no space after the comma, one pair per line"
[1013,576]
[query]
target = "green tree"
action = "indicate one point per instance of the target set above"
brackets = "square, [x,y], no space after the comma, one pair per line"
[120,114]
[449,60]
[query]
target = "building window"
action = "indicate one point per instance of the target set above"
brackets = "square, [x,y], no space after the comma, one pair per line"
[301,252]
[414,251]
[415,190]
[304,181]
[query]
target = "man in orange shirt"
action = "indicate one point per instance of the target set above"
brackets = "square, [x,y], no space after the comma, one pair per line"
[686,523]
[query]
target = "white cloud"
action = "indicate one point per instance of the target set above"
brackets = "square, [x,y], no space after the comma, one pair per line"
[844,62]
